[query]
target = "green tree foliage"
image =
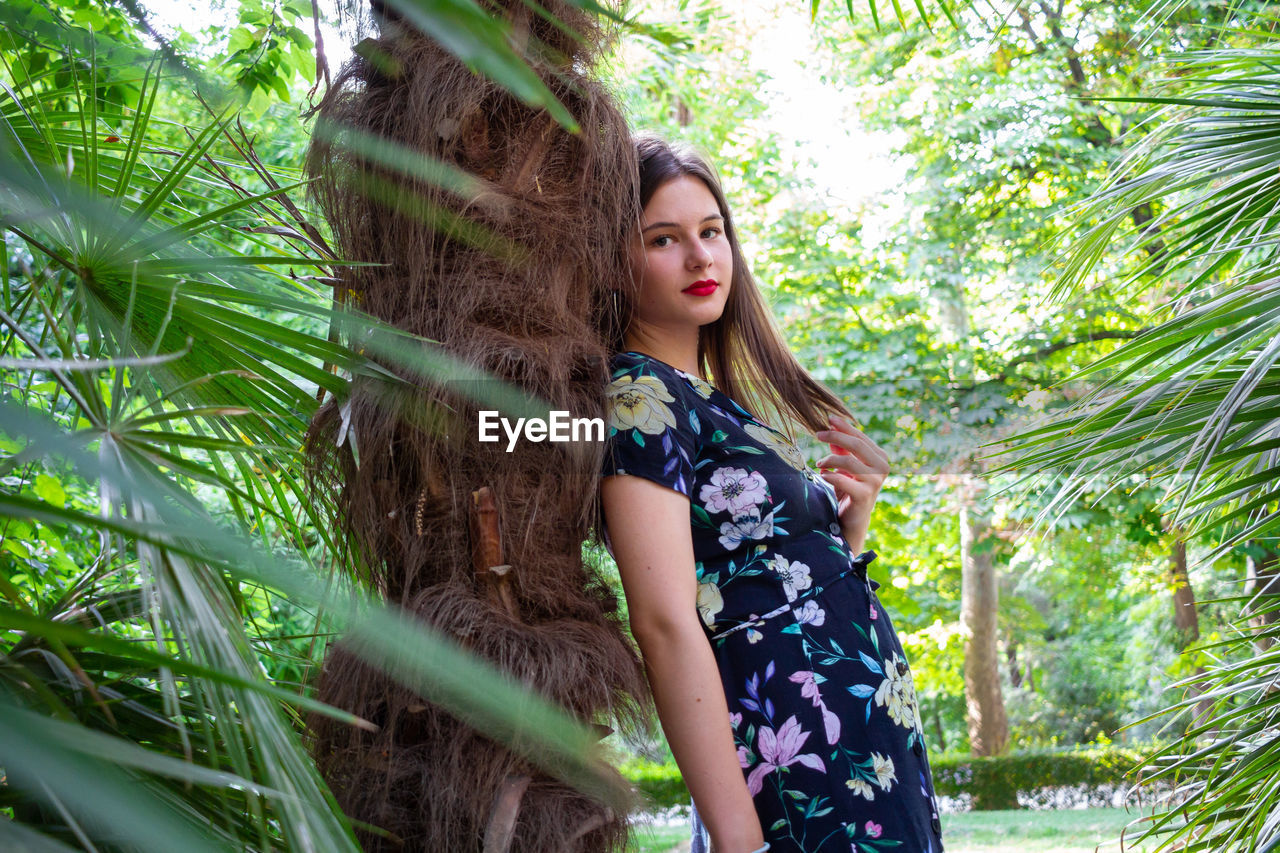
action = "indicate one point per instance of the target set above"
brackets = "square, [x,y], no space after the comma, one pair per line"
[1002,139]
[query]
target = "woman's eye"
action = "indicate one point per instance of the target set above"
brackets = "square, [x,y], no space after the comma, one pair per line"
[710,232]
[660,241]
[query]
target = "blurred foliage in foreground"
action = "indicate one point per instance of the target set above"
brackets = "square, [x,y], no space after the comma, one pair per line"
[168,579]
[166,330]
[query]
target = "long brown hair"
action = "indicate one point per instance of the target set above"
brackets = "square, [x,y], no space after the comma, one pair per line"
[743,352]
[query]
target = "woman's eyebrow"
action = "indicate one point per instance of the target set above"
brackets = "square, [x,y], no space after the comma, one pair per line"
[707,218]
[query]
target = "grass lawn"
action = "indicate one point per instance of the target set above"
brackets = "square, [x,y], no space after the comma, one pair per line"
[1066,831]
[1020,831]
[659,839]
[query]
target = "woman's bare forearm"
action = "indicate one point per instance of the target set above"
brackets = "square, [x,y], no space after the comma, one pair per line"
[695,717]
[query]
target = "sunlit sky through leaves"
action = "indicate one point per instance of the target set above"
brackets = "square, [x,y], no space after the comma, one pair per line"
[817,121]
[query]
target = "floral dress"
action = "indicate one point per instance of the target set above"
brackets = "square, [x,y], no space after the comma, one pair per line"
[821,699]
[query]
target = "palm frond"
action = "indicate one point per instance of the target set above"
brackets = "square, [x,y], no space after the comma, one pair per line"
[1195,404]
[163,357]
[1223,774]
[1191,403]
[1209,169]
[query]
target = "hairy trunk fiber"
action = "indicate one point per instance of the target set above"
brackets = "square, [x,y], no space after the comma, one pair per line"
[506,265]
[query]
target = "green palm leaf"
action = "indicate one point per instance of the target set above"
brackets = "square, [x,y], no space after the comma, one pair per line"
[162,360]
[1193,401]
[1195,404]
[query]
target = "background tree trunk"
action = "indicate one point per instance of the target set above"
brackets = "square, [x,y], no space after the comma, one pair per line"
[979,603]
[1186,621]
[1011,656]
[1262,578]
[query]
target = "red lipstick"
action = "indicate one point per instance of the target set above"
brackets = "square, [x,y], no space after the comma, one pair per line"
[702,288]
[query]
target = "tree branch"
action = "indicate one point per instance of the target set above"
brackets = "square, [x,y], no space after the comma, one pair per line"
[1046,351]
[1076,68]
[1030,30]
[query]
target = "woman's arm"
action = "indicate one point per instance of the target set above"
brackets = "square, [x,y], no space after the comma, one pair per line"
[653,546]
[856,468]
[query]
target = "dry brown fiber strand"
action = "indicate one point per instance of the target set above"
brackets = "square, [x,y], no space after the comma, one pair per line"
[543,322]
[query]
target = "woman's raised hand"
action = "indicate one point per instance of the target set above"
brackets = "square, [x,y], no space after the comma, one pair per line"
[856,468]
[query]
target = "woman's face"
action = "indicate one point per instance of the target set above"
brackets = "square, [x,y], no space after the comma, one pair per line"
[684,258]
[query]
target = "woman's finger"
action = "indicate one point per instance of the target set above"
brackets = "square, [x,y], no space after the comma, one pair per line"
[877,461]
[873,456]
[854,441]
[851,464]
[859,436]
[849,486]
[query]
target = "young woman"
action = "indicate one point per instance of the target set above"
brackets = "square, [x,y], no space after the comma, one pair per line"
[778,679]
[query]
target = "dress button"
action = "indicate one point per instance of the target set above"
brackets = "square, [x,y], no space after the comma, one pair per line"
[937,827]
[917,748]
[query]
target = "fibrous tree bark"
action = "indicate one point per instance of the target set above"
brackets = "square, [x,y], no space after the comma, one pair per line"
[479,223]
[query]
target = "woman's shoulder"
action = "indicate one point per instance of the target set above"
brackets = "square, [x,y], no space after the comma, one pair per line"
[635,365]
[652,432]
[644,393]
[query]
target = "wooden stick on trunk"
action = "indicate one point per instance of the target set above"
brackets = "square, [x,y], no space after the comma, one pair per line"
[492,574]
[500,830]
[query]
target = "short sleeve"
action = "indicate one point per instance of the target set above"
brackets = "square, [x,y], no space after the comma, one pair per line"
[651,431]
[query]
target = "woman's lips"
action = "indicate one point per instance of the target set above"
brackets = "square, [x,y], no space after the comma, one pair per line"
[702,288]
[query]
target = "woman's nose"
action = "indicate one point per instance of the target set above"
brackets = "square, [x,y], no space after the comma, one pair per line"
[698,256]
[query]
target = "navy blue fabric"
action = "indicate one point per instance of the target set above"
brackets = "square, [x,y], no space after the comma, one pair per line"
[821,699]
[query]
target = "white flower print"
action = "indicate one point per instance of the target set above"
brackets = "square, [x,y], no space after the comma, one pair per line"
[885,774]
[744,527]
[897,693]
[794,575]
[860,786]
[810,614]
[710,603]
[699,384]
[776,442]
[640,402]
[734,490]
